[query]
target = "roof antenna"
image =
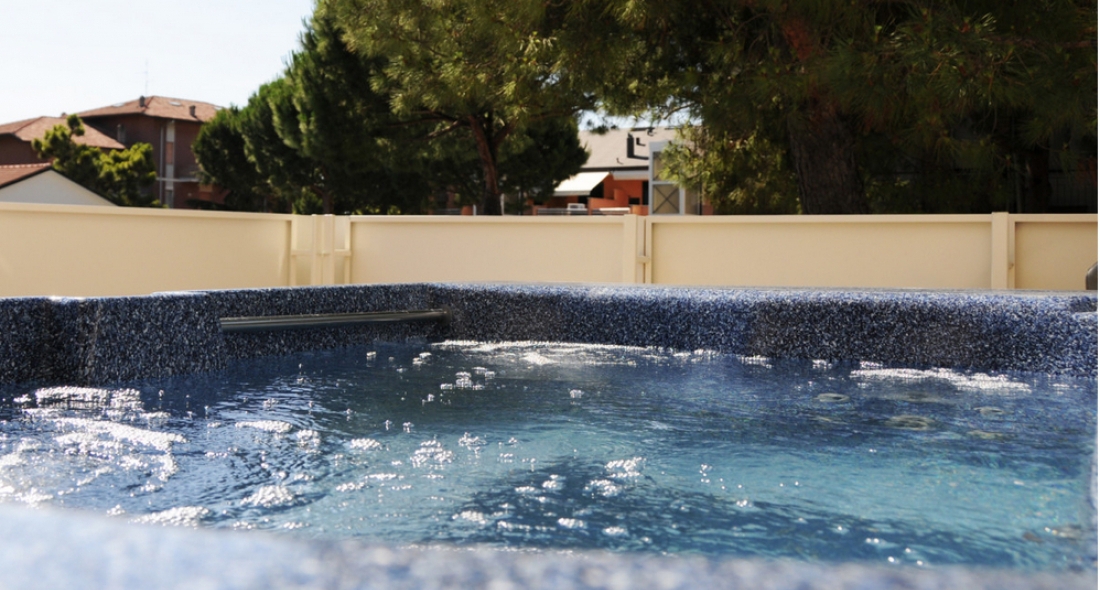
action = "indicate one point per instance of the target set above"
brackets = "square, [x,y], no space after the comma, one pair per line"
[146,93]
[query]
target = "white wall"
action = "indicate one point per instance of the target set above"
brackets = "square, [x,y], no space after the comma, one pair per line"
[50,187]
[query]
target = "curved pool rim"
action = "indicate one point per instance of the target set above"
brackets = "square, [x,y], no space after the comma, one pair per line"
[100,341]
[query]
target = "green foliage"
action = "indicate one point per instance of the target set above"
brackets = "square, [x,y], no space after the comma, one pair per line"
[368,158]
[272,155]
[482,70]
[122,176]
[324,138]
[941,86]
[295,181]
[221,150]
[737,175]
[547,153]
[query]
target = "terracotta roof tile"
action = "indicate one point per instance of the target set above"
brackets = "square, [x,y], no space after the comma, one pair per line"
[12,174]
[29,129]
[158,106]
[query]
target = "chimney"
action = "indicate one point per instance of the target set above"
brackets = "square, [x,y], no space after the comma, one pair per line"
[192,109]
[141,102]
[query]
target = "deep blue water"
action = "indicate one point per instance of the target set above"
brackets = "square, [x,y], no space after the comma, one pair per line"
[563,446]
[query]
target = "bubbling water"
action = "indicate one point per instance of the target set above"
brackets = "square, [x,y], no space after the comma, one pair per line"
[541,445]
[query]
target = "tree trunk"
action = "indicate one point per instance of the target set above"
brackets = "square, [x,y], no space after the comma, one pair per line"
[487,152]
[1038,193]
[326,199]
[823,153]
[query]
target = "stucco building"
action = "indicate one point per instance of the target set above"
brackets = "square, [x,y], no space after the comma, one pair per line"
[622,175]
[41,184]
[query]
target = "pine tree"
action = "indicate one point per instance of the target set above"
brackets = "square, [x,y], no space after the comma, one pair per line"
[486,70]
[122,176]
[324,138]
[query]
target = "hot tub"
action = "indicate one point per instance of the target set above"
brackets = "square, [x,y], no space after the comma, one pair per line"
[114,341]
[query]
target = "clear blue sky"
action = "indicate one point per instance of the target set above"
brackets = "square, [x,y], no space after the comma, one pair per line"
[73,55]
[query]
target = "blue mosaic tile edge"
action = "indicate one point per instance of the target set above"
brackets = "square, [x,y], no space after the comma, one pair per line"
[1039,332]
[113,339]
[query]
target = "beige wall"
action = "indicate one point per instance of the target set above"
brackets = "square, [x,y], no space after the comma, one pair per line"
[1052,252]
[953,252]
[526,249]
[89,251]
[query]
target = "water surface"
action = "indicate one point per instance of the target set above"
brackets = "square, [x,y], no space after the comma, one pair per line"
[534,445]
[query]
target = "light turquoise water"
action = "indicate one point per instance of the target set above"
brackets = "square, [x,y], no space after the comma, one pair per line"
[560,446]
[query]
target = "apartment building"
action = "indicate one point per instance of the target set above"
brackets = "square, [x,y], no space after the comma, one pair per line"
[170,125]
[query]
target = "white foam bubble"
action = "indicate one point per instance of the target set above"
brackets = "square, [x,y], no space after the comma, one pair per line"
[168,467]
[471,442]
[431,452]
[308,438]
[538,353]
[11,460]
[974,382]
[625,468]
[88,443]
[275,426]
[758,361]
[161,441]
[270,497]
[89,398]
[534,358]
[179,516]
[132,463]
[572,523]
[554,483]
[33,497]
[603,487]
[365,444]
[472,516]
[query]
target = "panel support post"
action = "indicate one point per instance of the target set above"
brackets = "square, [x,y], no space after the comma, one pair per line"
[1002,259]
[634,258]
